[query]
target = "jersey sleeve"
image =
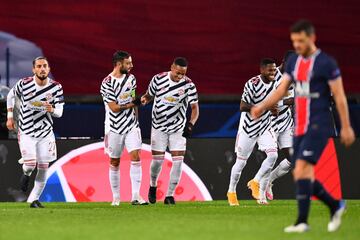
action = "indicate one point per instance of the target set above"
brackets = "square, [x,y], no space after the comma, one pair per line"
[58,102]
[133,87]
[152,87]
[192,94]
[107,92]
[332,70]
[247,95]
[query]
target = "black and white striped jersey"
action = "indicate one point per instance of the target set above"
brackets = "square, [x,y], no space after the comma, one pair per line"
[284,120]
[34,120]
[171,100]
[122,91]
[255,91]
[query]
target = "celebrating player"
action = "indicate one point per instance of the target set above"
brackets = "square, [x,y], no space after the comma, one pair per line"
[41,98]
[172,92]
[121,125]
[316,76]
[282,124]
[254,130]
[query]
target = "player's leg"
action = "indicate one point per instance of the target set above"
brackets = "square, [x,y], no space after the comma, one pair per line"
[159,142]
[114,144]
[133,145]
[177,146]
[243,148]
[27,147]
[284,143]
[268,144]
[46,153]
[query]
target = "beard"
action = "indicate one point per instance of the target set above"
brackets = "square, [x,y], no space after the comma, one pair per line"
[124,71]
[42,78]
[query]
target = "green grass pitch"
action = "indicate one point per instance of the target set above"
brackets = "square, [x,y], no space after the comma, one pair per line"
[187,220]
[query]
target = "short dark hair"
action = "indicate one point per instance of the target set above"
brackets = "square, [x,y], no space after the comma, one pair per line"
[266,61]
[119,56]
[39,58]
[181,61]
[303,25]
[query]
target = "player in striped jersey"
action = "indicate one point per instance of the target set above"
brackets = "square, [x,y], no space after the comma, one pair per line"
[282,124]
[41,98]
[172,92]
[254,130]
[121,125]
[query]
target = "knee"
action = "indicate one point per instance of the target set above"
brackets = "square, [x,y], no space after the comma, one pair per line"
[29,166]
[272,155]
[115,162]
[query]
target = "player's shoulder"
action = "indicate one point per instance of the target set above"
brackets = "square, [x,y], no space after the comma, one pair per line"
[188,80]
[161,75]
[107,79]
[52,81]
[26,79]
[326,58]
[254,81]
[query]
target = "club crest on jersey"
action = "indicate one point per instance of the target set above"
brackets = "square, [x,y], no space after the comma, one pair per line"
[48,96]
[181,91]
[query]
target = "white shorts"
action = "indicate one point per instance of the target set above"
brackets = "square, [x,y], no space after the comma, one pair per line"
[285,138]
[115,143]
[160,140]
[244,144]
[39,149]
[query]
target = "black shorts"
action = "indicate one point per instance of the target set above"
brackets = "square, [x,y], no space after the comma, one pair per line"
[309,147]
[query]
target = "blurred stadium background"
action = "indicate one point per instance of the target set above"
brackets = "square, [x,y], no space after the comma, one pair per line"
[223,43]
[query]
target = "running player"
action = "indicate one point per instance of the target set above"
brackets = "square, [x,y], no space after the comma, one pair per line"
[172,92]
[41,98]
[282,124]
[316,76]
[254,130]
[121,125]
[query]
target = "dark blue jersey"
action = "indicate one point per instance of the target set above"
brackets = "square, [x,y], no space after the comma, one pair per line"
[312,92]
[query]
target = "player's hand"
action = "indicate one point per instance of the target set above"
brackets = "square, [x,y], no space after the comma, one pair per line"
[347,136]
[48,107]
[144,100]
[10,124]
[137,101]
[256,111]
[188,129]
[274,110]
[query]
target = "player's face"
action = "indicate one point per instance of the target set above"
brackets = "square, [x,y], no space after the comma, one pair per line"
[177,72]
[126,65]
[269,71]
[41,69]
[302,42]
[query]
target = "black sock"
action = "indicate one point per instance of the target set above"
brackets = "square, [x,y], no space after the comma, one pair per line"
[320,192]
[303,195]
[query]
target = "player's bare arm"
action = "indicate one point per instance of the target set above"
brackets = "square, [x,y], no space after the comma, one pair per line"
[194,113]
[118,108]
[272,100]
[347,135]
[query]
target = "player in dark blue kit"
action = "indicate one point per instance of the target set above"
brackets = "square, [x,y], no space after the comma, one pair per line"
[316,76]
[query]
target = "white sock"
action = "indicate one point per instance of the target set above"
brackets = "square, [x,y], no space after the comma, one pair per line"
[28,167]
[283,168]
[236,173]
[114,177]
[155,169]
[175,174]
[135,176]
[267,165]
[40,182]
